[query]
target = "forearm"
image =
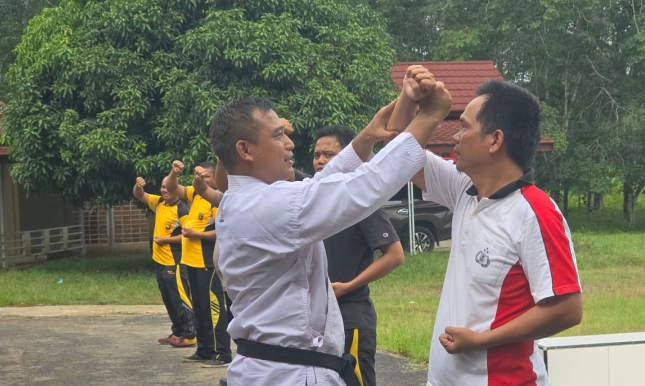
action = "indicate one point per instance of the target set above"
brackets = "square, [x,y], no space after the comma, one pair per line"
[363,146]
[172,185]
[139,194]
[208,235]
[403,114]
[543,320]
[378,269]
[422,128]
[174,239]
[211,195]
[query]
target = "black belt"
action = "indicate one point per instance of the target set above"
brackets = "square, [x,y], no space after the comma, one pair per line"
[344,365]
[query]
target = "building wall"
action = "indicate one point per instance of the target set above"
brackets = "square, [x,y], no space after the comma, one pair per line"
[44,211]
[10,201]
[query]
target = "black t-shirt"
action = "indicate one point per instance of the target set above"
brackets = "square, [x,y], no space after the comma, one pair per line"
[349,253]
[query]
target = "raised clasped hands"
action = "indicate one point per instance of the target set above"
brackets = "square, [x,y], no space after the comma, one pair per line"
[418,83]
[436,105]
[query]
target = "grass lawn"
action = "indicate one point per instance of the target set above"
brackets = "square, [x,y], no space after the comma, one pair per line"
[612,268]
[91,280]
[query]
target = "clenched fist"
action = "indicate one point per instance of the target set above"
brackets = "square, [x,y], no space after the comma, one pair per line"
[418,83]
[177,167]
[141,182]
[199,182]
[436,105]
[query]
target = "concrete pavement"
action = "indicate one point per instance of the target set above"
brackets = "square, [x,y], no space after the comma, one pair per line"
[117,345]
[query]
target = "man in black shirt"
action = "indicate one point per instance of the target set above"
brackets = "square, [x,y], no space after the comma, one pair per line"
[350,254]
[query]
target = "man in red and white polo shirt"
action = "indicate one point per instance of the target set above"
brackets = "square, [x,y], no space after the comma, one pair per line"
[512,275]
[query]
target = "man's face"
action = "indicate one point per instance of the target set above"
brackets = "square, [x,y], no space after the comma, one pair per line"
[471,148]
[326,149]
[273,152]
[167,196]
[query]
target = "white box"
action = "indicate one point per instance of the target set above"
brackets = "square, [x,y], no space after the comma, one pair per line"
[595,360]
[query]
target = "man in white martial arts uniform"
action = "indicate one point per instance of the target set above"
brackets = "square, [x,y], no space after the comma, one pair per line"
[270,234]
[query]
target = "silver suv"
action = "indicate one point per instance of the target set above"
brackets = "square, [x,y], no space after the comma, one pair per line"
[432,222]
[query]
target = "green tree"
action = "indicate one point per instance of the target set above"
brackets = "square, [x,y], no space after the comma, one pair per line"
[582,58]
[103,91]
[14,15]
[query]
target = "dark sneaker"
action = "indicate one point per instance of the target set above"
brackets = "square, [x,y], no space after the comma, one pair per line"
[223,382]
[178,341]
[195,358]
[166,339]
[216,362]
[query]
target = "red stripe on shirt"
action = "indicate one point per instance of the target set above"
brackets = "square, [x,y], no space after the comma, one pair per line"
[511,364]
[556,243]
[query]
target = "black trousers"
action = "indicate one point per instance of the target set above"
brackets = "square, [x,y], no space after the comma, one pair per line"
[361,343]
[211,316]
[173,286]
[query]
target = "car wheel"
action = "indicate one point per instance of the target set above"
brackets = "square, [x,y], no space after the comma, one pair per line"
[423,240]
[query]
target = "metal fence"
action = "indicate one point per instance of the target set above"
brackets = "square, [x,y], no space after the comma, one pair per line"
[111,225]
[30,246]
[112,229]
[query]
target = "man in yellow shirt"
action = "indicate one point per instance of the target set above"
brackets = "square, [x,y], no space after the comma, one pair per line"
[198,243]
[172,278]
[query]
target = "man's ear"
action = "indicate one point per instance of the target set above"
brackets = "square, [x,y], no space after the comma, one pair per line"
[243,149]
[497,141]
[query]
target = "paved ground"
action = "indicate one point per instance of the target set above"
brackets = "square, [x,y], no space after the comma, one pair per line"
[116,345]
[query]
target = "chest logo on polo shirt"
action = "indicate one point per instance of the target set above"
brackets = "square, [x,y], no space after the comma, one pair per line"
[167,226]
[482,258]
[201,216]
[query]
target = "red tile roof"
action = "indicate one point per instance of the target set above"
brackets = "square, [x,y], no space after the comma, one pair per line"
[460,78]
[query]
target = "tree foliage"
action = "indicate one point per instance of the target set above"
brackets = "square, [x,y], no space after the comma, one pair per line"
[102,91]
[584,59]
[14,15]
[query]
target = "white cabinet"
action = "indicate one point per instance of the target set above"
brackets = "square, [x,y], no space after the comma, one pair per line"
[595,360]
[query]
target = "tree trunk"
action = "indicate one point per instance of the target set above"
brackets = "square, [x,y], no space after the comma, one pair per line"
[565,203]
[555,195]
[628,204]
[598,204]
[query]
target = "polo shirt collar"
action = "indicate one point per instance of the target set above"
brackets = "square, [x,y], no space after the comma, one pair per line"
[238,181]
[526,180]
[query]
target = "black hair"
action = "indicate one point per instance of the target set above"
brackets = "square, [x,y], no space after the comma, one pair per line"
[343,134]
[233,122]
[209,165]
[516,112]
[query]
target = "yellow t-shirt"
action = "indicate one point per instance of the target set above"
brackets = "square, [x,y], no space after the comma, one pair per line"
[167,220]
[198,253]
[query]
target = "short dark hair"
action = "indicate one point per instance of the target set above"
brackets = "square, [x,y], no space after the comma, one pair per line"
[209,165]
[516,112]
[343,134]
[233,122]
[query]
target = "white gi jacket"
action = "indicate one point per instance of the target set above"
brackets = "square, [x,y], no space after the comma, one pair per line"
[274,262]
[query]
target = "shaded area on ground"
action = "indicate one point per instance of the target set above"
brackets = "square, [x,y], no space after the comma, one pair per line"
[117,345]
